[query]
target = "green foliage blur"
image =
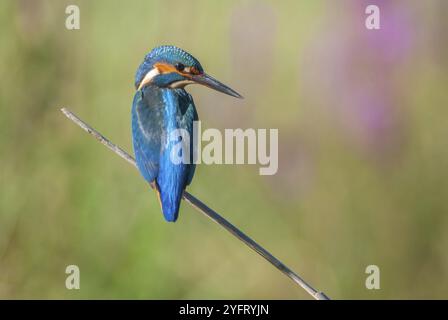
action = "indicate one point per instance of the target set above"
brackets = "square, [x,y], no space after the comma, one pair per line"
[362,180]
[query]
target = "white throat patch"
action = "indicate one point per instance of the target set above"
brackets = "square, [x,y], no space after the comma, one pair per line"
[181,84]
[148,77]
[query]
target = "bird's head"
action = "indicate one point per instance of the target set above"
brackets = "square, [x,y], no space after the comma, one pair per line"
[172,67]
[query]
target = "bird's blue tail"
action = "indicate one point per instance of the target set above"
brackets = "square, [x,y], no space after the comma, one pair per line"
[170,195]
[170,205]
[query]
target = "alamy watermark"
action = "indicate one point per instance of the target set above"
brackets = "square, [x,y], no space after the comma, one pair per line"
[73,279]
[73,20]
[373,278]
[236,146]
[373,18]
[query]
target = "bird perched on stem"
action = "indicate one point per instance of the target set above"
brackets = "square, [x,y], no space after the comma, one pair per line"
[160,106]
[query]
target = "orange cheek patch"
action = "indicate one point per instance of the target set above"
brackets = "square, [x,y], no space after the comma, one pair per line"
[168,68]
[165,68]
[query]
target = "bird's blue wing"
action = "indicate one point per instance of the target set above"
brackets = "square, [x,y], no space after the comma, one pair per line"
[189,116]
[173,176]
[147,134]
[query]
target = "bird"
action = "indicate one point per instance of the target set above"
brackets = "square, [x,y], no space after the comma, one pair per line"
[160,105]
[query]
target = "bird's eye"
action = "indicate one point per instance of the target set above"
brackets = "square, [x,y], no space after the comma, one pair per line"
[179,67]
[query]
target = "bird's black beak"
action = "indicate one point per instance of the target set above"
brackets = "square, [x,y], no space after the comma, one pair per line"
[212,83]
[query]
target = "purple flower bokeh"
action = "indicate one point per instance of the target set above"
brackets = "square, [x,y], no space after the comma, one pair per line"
[353,71]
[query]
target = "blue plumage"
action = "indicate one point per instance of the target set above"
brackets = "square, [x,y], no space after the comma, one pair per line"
[160,106]
[157,112]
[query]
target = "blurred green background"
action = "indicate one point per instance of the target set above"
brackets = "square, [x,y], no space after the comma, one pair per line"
[362,180]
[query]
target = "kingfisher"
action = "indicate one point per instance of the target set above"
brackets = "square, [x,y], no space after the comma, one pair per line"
[160,106]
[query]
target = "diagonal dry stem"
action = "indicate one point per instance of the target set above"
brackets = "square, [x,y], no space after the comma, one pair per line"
[204,209]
